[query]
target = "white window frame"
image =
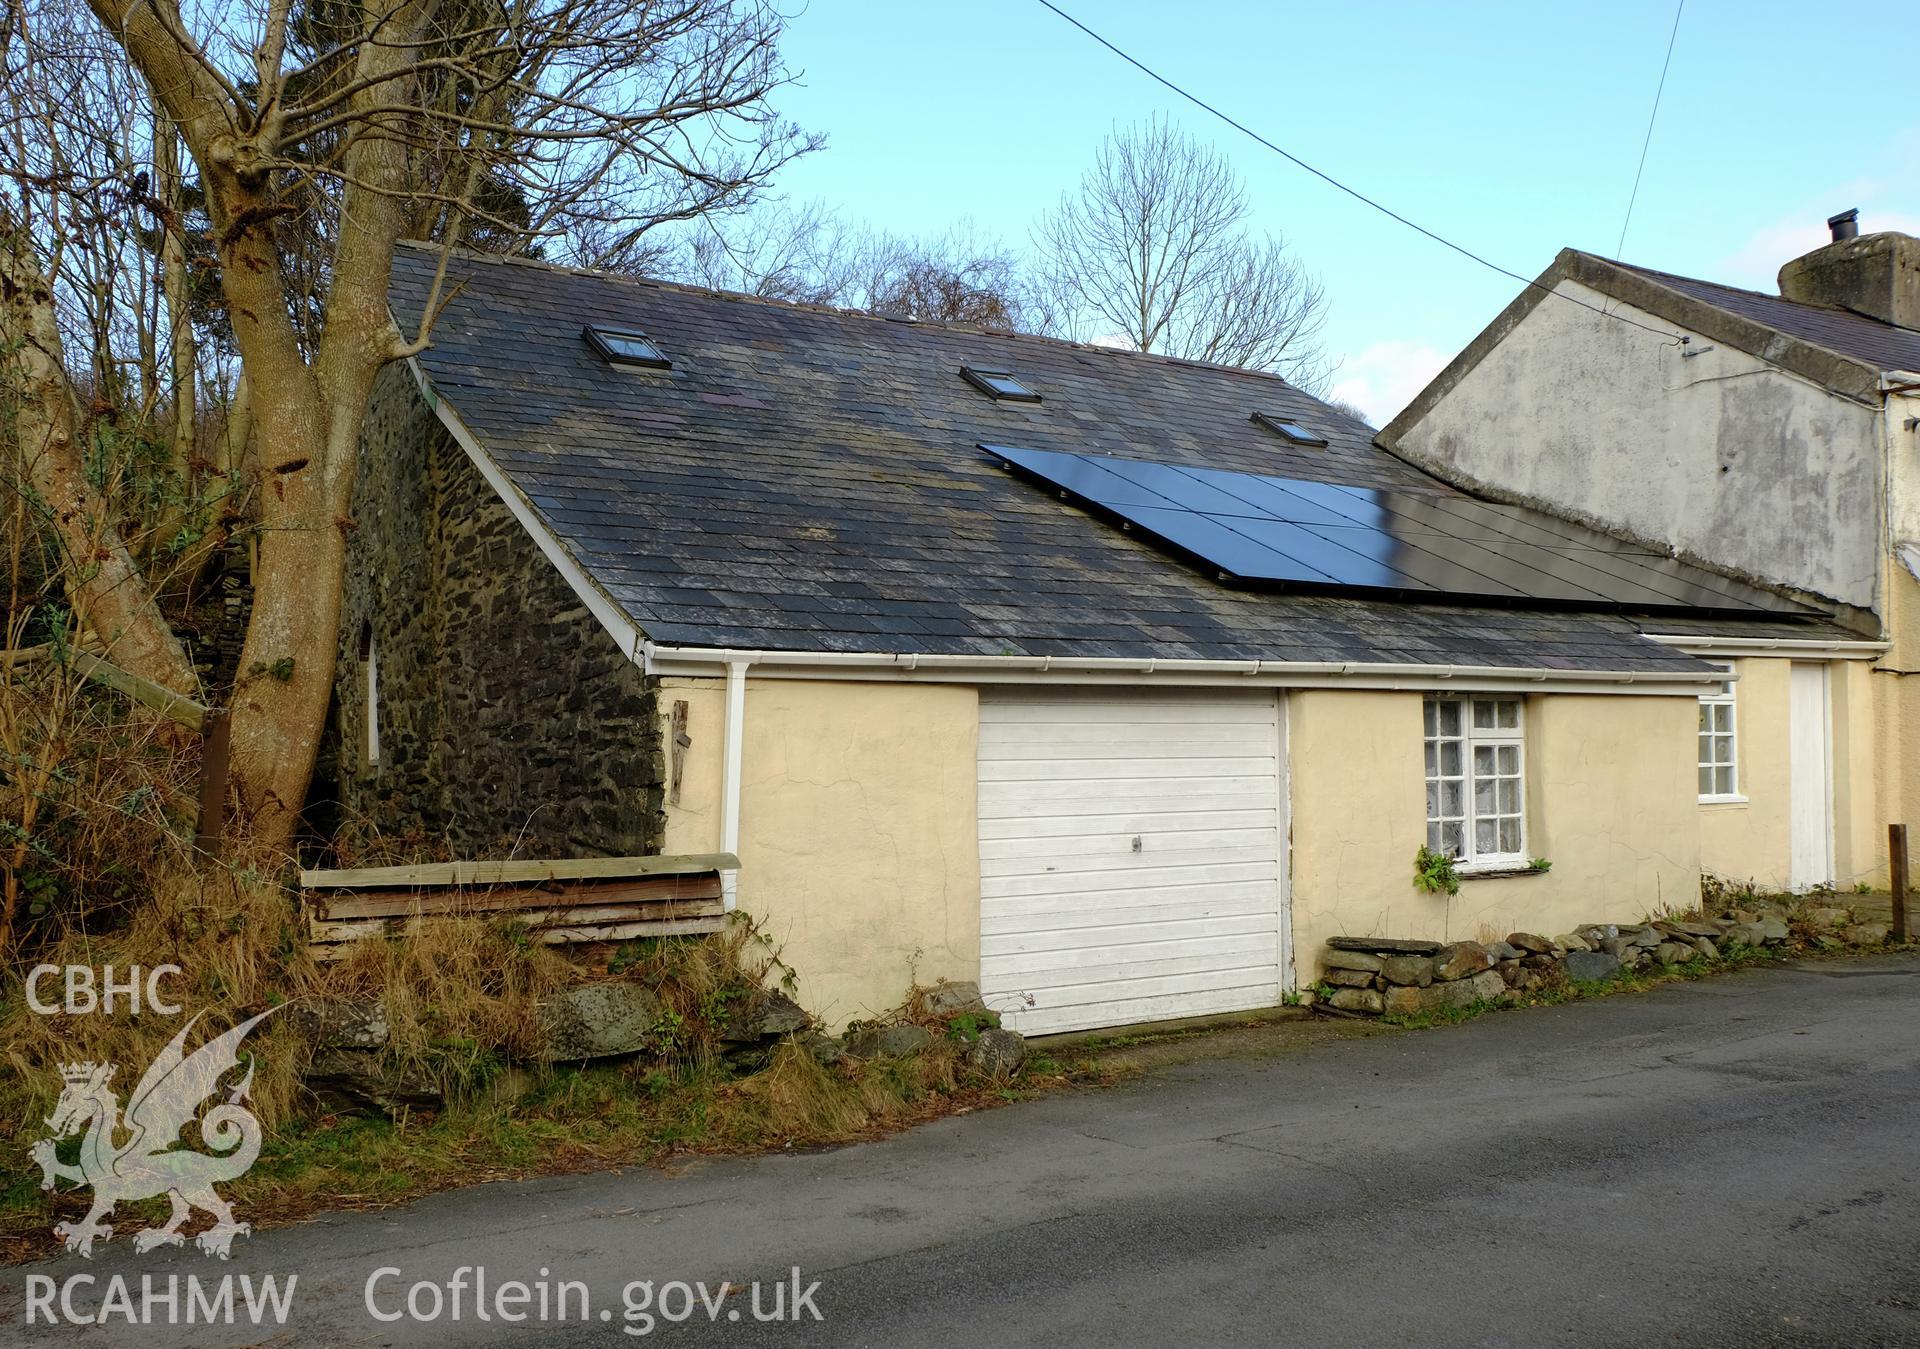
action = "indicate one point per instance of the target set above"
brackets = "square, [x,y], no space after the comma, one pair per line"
[1710,710]
[1472,738]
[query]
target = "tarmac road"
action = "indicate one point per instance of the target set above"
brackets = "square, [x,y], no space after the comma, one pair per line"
[1725,1162]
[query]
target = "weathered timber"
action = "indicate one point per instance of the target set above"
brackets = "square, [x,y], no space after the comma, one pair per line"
[434,874]
[557,900]
[399,903]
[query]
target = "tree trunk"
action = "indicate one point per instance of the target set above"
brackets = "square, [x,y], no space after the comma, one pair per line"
[306,439]
[174,287]
[286,666]
[280,694]
[109,594]
[231,457]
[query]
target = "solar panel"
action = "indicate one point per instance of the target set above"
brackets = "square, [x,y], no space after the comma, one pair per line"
[1296,532]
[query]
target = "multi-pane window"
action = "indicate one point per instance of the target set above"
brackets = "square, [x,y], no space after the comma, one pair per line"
[1719,776]
[1475,784]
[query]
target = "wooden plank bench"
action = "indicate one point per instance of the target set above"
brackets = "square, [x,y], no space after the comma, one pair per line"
[561,901]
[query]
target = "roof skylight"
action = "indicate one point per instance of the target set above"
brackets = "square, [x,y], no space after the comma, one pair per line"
[999,384]
[1293,431]
[624,346]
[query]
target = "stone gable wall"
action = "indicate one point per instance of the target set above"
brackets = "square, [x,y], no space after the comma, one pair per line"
[510,722]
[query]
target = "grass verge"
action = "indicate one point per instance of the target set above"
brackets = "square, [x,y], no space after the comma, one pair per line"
[461,999]
[569,1120]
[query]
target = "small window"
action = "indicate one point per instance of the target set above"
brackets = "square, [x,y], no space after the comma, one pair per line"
[1476,789]
[624,346]
[370,662]
[1292,431]
[1719,744]
[1000,384]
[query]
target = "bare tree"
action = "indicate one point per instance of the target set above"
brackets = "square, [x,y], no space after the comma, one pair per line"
[805,253]
[92,360]
[812,255]
[321,135]
[959,278]
[1154,249]
[1352,410]
[105,585]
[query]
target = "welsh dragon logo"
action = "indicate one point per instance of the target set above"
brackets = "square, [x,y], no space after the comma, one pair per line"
[153,1160]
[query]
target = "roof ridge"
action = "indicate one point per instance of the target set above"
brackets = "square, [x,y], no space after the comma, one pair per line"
[1773,296]
[835,311]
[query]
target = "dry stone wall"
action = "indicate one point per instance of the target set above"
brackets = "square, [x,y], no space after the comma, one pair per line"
[1376,976]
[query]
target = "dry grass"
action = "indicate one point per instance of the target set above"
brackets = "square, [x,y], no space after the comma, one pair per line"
[569,1119]
[459,994]
[462,998]
[97,811]
[235,942]
[94,796]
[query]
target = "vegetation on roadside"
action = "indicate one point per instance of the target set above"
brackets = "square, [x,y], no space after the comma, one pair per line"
[561,1119]
[97,807]
[461,1001]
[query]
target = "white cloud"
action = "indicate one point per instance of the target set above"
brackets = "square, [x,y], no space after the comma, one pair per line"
[1383,377]
[1755,265]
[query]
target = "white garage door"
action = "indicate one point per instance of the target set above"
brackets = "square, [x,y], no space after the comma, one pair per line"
[1129,856]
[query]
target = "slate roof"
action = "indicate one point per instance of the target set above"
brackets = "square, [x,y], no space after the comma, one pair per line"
[808,480]
[1884,345]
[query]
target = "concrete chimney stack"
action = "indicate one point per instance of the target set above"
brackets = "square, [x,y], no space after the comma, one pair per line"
[1873,274]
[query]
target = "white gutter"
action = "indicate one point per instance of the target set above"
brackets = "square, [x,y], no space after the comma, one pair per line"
[880,665]
[730,774]
[1785,648]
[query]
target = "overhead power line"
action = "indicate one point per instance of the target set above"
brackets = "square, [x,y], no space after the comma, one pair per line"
[1652,117]
[1331,181]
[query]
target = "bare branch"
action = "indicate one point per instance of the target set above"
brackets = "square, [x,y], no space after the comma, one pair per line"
[1153,250]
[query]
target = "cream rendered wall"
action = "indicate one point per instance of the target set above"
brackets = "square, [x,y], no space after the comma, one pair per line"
[1723,454]
[1612,795]
[1896,701]
[1859,816]
[1750,840]
[859,844]
[859,850]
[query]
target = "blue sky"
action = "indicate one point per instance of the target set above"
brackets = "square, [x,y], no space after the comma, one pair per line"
[1512,128]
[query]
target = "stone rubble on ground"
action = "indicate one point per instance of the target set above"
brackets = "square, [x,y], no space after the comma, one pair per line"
[619,1019]
[1400,977]
[952,997]
[998,1053]
[595,1021]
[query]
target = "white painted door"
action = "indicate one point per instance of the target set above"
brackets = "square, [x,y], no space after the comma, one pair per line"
[1131,854]
[1810,765]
